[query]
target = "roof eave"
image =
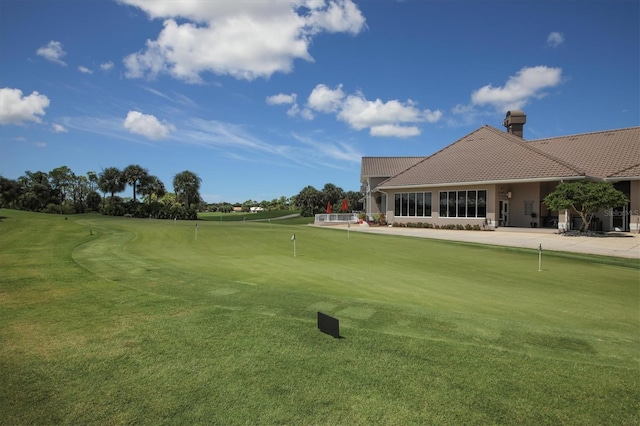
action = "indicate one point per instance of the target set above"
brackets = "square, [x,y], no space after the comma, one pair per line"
[618,179]
[484,182]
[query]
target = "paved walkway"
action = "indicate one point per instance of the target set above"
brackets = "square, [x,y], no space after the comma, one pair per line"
[619,244]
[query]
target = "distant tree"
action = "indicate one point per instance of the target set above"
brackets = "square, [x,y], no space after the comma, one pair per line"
[133,174]
[111,181]
[246,206]
[354,199]
[332,194]
[37,192]
[79,192]
[585,198]
[309,201]
[93,181]
[283,203]
[93,201]
[186,185]
[168,199]
[10,191]
[62,180]
[151,186]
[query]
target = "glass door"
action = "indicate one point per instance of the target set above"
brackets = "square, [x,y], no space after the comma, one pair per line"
[504,213]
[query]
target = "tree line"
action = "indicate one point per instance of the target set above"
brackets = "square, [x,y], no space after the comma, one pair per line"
[62,191]
[311,201]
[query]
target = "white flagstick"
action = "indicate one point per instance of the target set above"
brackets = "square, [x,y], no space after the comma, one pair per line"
[348,230]
[196,231]
[293,238]
[540,258]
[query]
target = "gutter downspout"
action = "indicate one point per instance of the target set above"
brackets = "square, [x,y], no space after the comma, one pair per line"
[368,200]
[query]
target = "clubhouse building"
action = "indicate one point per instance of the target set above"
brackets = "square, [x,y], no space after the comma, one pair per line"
[495,178]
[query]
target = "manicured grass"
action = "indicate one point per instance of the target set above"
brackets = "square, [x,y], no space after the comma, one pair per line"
[244,216]
[111,321]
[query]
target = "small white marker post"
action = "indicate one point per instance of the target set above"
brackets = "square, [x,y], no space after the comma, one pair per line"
[348,230]
[293,238]
[540,258]
[196,231]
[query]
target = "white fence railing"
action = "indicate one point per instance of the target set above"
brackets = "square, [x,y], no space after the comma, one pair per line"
[335,218]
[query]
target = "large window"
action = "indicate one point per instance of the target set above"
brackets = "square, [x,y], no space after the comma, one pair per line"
[463,203]
[413,204]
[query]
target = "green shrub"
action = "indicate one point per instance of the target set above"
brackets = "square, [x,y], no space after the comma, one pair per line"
[380,218]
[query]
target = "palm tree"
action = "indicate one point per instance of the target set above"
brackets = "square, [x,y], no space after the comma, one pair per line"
[309,200]
[187,187]
[133,175]
[150,185]
[111,181]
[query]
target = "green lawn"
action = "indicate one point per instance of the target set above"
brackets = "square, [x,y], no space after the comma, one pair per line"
[257,216]
[134,321]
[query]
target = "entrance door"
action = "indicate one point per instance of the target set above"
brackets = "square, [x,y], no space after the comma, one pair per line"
[504,213]
[620,218]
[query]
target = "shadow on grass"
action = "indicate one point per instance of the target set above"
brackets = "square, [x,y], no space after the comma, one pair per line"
[549,341]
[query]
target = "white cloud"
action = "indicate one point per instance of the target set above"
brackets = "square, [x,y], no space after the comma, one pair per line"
[106,66]
[324,99]
[304,113]
[16,108]
[59,128]
[382,118]
[295,110]
[147,125]
[528,83]
[281,99]
[394,130]
[555,39]
[361,113]
[53,52]
[246,40]
[340,16]
[84,70]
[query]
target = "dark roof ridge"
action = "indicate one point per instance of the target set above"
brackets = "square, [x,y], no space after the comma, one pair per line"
[584,134]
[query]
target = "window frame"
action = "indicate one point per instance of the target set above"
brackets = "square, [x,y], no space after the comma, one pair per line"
[407,204]
[451,204]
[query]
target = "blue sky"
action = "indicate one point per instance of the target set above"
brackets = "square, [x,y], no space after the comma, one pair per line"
[262,98]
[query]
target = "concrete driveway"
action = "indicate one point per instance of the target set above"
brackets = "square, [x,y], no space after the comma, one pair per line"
[619,244]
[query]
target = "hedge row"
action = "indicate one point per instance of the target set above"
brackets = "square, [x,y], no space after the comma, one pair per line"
[459,227]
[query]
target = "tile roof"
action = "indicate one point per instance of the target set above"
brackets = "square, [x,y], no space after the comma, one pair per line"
[486,154]
[599,154]
[631,172]
[386,166]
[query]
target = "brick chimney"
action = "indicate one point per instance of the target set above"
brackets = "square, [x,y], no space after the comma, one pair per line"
[514,122]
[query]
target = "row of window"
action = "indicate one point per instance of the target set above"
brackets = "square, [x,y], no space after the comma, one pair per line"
[452,204]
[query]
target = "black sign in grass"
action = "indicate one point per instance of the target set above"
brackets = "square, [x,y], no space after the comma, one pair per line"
[329,325]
